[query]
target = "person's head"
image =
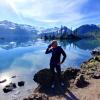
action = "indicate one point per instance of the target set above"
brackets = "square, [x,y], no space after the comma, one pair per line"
[54,43]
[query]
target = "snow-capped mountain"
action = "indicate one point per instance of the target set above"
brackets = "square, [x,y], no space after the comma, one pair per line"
[56,32]
[12,31]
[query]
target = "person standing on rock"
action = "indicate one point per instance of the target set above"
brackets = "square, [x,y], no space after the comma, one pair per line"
[55,62]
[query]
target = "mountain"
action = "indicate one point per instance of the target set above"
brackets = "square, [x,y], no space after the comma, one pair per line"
[13,32]
[10,31]
[55,32]
[85,31]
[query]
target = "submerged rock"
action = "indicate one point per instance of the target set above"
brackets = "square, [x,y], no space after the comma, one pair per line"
[13,77]
[9,87]
[21,83]
[96,51]
[2,81]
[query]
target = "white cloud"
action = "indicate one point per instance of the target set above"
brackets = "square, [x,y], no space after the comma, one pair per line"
[49,11]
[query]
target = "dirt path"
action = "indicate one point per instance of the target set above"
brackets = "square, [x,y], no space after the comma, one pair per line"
[91,92]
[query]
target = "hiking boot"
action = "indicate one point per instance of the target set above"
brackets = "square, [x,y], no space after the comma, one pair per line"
[52,86]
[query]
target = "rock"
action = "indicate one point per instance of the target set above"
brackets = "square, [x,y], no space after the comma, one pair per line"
[43,77]
[80,81]
[97,58]
[37,97]
[91,67]
[13,77]
[96,76]
[96,51]
[70,73]
[2,81]
[9,87]
[21,83]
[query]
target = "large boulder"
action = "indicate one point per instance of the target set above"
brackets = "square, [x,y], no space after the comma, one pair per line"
[43,77]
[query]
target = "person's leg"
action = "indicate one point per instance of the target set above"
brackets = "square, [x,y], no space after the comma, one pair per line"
[58,69]
[52,69]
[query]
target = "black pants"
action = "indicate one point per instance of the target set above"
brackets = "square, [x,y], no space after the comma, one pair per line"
[56,67]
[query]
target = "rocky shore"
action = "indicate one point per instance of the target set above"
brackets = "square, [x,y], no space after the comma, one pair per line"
[79,84]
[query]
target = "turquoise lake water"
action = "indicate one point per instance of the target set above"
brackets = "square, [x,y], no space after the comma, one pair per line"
[24,59]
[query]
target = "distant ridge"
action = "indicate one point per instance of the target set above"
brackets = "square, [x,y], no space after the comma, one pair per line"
[12,31]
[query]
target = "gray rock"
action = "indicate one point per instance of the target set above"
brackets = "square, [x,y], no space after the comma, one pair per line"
[80,81]
[44,76]
[96,76]
[21,83]
[9,87]
[70,73]
[37,97]
[96,51]
[2,81]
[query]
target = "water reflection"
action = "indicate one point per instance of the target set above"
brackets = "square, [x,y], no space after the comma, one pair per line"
[84,44]
[34,54]
[27,58]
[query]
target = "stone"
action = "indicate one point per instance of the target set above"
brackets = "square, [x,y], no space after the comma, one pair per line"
[91,67]
[96,76]
[43,77]
[96,51]
[37,96]
[2,81]
[21,83]
[80,81]
[70,73]
[9,87]
[13,77]
[97,58]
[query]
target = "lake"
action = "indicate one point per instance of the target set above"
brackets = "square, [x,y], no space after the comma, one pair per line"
[24,59]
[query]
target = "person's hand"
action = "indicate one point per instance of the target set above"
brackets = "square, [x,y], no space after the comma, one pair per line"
[51,48]
[59,63]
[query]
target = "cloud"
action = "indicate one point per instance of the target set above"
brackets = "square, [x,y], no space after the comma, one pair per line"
[54,12]
[49,11]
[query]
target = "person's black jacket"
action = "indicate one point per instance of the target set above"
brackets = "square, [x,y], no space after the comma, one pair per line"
[56,54]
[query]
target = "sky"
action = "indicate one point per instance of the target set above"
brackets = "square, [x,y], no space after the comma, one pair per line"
[51,13]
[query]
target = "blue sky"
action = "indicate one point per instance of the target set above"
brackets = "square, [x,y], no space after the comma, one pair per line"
[51,13]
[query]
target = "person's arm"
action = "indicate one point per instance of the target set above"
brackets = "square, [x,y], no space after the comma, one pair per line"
[64,55]
[48,50]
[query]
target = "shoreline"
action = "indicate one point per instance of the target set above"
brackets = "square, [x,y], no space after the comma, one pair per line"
[91,73]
